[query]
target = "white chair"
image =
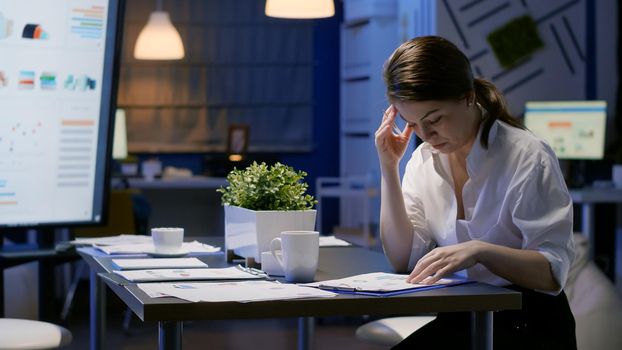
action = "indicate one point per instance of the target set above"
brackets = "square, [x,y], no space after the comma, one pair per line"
[390,331]
[595,304]
[19,334]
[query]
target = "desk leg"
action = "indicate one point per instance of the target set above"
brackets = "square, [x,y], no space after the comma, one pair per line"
[587,226]
[481,331]
[169,335]
[306,329]
[98,310]
[618,253]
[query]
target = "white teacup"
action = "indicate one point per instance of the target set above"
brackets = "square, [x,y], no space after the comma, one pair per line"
[301,251]
[167,240]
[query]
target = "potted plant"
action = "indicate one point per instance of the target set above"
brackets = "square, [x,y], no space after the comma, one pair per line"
[260,202]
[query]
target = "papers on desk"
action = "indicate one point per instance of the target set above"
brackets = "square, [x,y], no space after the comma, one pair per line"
[137,244]
[139,248]
[228,273]
[381,284]
[245,291]
[332,241]
[162,263]
[112,240]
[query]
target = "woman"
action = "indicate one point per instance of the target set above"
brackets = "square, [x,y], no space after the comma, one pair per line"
[481,197]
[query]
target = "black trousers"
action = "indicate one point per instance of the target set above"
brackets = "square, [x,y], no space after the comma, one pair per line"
[544,322]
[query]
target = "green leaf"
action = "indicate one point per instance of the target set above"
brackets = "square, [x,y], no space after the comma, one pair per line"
[263,187]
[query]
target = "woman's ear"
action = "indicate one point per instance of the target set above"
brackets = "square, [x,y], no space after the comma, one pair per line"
[470,98]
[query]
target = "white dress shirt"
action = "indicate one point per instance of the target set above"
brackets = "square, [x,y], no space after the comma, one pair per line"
[515,196]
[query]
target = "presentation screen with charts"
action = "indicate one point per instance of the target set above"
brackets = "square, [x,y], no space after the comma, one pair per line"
[58,68]
[574,129]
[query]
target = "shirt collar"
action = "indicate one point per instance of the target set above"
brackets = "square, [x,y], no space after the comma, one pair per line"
[477,154]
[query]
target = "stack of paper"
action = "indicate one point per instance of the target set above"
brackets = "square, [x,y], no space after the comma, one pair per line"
[246,291]
[137,244]
[137,248]
[112,240]
[381,284]
[219,274]
[137,264]
[332,241]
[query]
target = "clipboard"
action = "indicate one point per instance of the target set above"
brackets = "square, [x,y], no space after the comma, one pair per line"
[382,284]
[354,291]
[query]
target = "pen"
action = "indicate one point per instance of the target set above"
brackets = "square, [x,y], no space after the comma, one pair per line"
[118,283]
[337,288]
[258,271]
[252,270]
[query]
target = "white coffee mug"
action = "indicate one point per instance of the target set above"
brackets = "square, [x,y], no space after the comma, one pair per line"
[616,175]
[167,240]
[300,253]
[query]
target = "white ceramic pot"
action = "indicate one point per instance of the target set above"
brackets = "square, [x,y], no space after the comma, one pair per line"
[249,232]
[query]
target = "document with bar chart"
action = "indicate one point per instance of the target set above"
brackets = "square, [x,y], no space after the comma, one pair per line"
[55,95]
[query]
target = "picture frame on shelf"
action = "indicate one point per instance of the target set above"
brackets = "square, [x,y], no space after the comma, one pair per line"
[237,139]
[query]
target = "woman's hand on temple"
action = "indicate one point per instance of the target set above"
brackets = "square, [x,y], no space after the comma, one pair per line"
[444,261]
[390,146]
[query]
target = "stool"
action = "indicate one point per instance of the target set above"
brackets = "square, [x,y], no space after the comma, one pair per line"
[391,331]
[18,334]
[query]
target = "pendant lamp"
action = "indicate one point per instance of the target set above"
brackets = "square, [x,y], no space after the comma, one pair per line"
[159,40]
[301,9]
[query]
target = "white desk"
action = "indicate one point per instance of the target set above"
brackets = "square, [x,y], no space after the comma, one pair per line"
[587,197]
[195,182]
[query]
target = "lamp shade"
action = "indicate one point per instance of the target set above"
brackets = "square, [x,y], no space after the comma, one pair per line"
[119,140]
[300,8]
[159,40]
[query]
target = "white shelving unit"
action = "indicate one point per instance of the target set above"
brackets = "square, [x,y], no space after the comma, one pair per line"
[369,34]
[354,189]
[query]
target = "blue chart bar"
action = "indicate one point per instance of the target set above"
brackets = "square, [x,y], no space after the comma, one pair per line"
[6,198]
[88,23]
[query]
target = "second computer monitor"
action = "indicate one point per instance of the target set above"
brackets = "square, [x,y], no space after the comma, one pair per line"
[574,129]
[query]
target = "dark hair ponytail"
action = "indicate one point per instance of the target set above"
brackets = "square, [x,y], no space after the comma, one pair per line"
[433,68]
[487,95]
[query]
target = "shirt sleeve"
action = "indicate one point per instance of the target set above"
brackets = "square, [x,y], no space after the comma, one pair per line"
[543,213]
[422,243]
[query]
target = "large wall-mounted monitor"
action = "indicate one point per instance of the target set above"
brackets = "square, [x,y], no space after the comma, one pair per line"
[58,73]
[574,129]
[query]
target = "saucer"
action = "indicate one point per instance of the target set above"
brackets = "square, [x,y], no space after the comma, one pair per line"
[176,254]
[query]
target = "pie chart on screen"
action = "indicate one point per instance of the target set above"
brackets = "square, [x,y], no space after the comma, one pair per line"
[34,31]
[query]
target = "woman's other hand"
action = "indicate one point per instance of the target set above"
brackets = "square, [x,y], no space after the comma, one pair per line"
[391,146]
[444,261]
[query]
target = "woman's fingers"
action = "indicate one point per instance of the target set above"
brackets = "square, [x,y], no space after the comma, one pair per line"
[382,127]
[438,275]
[429,271]
[388,117]
[421,265]
[389,112]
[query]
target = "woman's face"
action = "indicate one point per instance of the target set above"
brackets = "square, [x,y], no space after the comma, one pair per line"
[448,125]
